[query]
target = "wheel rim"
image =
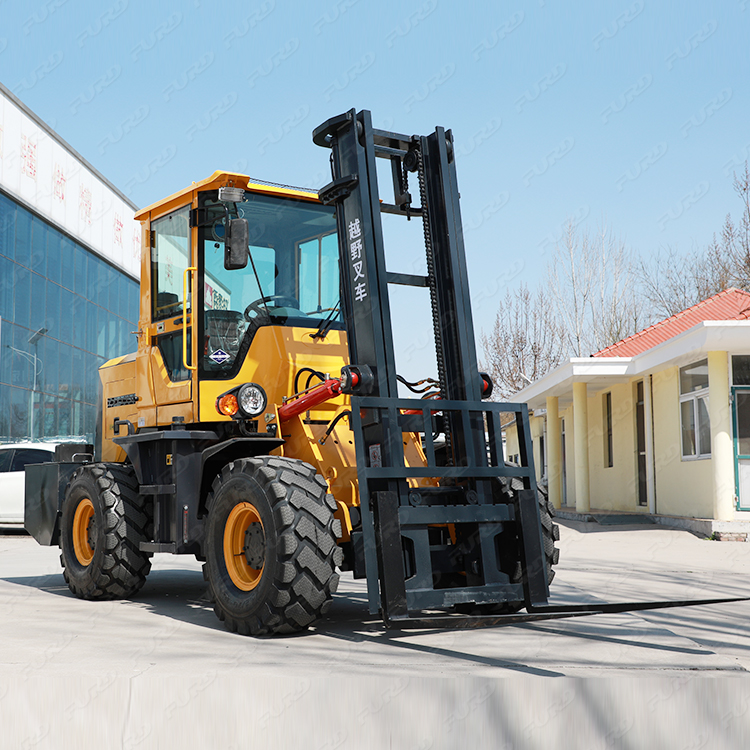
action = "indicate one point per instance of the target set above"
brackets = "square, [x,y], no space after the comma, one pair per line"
[83,530]
[244,546]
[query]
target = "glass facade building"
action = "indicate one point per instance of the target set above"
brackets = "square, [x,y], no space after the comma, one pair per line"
[65,311]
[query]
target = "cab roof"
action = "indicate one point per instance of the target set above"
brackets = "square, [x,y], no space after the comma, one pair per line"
[234,179]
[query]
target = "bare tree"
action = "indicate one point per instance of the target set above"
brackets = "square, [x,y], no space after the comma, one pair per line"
[593,286]
[735,238]
[672,282]
[526,342]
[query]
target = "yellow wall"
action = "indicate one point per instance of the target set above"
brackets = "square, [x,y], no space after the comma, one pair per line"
[613,487]
[683,488]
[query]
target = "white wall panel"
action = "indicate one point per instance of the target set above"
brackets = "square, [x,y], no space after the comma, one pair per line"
[42,171]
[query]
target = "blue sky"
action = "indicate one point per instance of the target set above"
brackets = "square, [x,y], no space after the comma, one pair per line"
[630,113]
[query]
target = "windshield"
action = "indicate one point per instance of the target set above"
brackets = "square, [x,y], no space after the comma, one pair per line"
[294,282]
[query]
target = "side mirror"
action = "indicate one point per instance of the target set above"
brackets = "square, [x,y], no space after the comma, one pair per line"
[235,244]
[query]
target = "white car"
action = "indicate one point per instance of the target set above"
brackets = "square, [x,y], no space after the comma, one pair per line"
[13,458]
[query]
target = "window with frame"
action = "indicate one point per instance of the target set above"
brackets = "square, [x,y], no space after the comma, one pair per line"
[695,426]
[170,256]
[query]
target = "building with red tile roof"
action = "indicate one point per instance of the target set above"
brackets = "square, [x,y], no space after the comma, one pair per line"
[657,423]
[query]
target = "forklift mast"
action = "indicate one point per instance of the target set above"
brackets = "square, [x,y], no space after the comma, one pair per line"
[400,520]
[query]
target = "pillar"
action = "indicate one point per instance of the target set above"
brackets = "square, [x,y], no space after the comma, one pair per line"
[554,453]
[581,442]
[722,455]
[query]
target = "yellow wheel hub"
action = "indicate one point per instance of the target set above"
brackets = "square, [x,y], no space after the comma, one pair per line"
[244,546]
[82,519]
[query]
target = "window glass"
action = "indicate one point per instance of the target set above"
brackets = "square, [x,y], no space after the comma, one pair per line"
[170,256]
[91,327]
[52,310]
[695,421]
[170,346]
[38,290]
[77,374]
[4,410]
[694,377]
[64,358]
[80,307]
[64,425]
[5,457]
[7,227]
[50,368]
[291,277]
[741,369]
[22,295]
[66,317]
[6,288]
[54,255]
[68,270]
[39,246]
[22,371]
[49,418]
[25,456]
[82,272]
[19,413]
[704,426]
[23,237]
[6,360]
[687,413]
[319,274]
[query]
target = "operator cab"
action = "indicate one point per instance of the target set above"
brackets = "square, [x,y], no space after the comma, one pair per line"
[289,277]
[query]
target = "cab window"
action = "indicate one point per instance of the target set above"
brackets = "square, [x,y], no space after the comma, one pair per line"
[170,256]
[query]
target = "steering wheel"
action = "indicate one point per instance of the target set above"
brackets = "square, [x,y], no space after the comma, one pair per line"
[257,308]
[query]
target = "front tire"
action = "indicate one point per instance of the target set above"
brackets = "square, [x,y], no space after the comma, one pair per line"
[103,523]
[271,550]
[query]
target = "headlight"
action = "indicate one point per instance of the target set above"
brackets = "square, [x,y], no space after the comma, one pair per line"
[251,399]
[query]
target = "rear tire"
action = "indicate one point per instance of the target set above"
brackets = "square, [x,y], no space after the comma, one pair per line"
[103,523]
[271,549]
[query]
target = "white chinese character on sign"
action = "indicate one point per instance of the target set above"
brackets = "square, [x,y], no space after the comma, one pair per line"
[356,249]
[358,270]
[360,292]
[354,229]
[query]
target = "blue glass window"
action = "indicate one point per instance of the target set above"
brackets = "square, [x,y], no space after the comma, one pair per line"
[23,237]
[39,246]
[21,295]
[38,302]
[54,255]
[52,311]
[82,280]
[7,227]
[68,263]
[79,321]
[19,412]
[6,288]
[50,365]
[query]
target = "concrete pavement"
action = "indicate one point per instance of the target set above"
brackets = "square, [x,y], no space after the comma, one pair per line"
[166,647]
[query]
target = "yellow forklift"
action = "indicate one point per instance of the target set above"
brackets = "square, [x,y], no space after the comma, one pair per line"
[261,425]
